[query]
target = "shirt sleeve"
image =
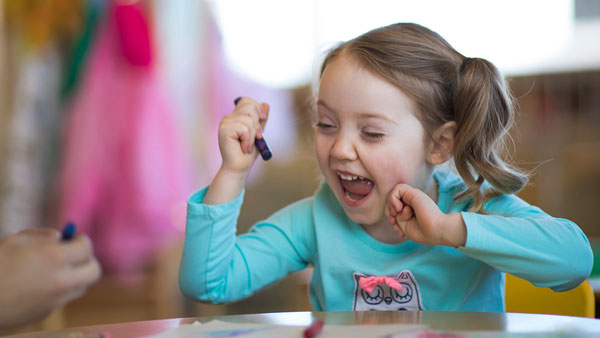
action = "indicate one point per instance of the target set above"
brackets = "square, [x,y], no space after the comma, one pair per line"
[217,266]
[528,243]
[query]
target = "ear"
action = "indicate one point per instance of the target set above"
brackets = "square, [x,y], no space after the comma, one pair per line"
[442,143]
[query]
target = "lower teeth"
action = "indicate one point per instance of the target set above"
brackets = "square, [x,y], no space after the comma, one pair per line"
[352,198]
[348,195]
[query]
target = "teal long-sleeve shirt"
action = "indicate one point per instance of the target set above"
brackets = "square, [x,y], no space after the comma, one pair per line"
[217,266]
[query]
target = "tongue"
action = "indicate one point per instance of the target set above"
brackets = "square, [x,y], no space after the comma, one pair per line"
[357,188]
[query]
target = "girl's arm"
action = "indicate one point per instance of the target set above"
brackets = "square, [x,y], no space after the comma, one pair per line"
[547,251]
[218,267]
[515,237]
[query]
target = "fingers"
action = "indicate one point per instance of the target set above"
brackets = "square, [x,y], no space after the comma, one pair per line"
[238,132]
[398,209]
[264,117]
[78,251]
[258,112]
[402,219]
[85,274]
[74,252]
[39,234]
[74,282]
[404,195]
[242,129]
[395,203]
[400,229]
[405,214]
[251,117]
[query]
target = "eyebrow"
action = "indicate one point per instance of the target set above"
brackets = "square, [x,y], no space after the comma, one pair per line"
[365,115]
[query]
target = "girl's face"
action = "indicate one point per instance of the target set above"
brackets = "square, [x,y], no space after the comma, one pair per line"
[367,140]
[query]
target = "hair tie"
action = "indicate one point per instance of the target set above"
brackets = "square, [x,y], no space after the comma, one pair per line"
[463,65]
[455,83]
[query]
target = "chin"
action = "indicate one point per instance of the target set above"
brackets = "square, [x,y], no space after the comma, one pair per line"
[362,219]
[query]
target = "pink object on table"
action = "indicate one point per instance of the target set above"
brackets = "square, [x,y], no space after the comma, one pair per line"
[314,329]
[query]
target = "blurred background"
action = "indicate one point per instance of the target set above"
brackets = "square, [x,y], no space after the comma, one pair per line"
[109,112]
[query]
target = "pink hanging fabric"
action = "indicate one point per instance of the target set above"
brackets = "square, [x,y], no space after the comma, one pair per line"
[134,36]
[124,179]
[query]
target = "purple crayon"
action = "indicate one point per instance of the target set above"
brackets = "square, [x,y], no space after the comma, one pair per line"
[260,144]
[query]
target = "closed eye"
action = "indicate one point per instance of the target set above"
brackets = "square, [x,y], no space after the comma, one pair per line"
[373,136]
[324,126]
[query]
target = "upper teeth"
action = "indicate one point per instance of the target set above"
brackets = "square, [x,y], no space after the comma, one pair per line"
[349,177]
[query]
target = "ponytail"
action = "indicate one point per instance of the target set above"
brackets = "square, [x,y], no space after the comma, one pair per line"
[484,113]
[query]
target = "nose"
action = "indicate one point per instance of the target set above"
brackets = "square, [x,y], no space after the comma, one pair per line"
[343,148]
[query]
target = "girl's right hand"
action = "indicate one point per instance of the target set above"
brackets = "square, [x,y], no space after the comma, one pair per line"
[237,132]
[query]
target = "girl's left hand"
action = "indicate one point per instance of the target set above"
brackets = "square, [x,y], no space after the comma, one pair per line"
[416,216]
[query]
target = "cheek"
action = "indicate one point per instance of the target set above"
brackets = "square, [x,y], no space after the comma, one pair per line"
[391,173]
[318,144]
[321,152]
[397,165]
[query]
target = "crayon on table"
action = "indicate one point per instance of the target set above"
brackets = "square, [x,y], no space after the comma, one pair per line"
[314,329]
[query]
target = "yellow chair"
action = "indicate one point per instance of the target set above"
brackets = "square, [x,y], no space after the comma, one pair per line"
[522,296]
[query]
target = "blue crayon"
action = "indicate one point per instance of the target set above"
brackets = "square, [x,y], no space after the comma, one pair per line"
[261,144]
[68,231]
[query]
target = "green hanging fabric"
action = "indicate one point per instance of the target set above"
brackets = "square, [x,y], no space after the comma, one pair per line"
[94,10]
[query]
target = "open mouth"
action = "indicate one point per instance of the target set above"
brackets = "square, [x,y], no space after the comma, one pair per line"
[355,188]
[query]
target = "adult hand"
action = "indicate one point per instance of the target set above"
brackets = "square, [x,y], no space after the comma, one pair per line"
[39,272]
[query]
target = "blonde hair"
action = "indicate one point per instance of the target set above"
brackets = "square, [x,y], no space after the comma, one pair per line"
[446,86]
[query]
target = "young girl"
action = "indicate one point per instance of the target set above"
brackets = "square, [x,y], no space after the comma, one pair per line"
[386,230]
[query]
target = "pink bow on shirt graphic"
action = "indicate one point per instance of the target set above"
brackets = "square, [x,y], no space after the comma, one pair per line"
[369,283]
